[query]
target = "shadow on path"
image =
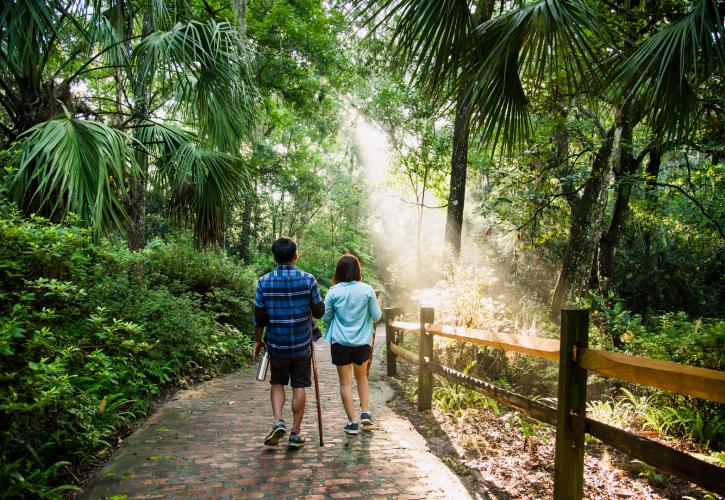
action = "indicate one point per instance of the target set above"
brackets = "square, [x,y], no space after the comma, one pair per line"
[206,443]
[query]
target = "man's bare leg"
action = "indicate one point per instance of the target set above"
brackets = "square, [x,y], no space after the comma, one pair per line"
[278,396]
[299,399]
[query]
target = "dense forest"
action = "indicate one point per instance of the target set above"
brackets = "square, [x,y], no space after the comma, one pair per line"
[152,151]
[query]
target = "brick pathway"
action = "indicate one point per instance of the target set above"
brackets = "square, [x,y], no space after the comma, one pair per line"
[206,443]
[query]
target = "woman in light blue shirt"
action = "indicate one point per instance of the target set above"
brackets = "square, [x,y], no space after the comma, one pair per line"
[351,309]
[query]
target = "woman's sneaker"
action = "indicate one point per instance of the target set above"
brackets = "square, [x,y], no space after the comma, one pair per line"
[366,419]
[351,428]
[275,434]
[296,440]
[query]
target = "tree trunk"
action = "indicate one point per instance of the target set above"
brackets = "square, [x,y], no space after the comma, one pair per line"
[246,234]
[135,206]
[561,157]
[585,230]
[627,167]
[459,156]
[240,9]
[136,202]
[652,169]
[459,165]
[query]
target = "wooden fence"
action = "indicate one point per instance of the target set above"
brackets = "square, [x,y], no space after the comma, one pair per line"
[575,361]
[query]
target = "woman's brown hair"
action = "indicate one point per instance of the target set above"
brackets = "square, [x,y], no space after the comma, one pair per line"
[348,269]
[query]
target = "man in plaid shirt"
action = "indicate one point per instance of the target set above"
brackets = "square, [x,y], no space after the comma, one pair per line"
[285,300]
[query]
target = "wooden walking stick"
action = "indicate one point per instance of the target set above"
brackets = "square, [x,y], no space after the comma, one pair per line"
[372,347]
[317,393]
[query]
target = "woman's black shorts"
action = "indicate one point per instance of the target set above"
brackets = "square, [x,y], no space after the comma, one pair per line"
[345,354]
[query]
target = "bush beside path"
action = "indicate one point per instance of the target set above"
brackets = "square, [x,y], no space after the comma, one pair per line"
[207,443]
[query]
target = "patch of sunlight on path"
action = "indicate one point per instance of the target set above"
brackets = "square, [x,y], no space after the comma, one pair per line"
[206,443]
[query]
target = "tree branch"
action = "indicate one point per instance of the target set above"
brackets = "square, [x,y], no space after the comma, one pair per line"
[699,205]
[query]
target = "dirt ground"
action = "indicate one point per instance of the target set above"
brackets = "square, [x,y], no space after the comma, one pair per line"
[495,459]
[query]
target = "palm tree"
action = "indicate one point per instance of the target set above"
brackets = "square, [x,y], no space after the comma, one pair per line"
[172,101]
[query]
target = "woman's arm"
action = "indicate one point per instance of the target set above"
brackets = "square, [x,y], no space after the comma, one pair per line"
[374,308]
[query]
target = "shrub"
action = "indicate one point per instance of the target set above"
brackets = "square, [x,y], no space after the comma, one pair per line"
[86,340]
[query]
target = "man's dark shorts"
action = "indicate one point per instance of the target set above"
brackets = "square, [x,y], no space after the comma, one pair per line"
[284,369]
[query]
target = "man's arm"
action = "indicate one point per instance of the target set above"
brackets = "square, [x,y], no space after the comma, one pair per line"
[317,306]
[318,310]
[260,321]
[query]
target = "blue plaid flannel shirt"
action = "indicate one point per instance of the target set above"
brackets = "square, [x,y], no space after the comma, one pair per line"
[286,296]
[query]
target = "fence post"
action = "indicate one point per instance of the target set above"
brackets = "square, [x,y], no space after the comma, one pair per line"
[572,398]
[391,359]
[425,350]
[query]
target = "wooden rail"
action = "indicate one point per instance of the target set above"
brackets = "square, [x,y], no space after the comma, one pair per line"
[667,459]
[526,344]
[574,358]
[683,379]
[410,357]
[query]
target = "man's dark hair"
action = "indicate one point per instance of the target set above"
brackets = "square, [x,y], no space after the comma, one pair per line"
[348,269]
[284,250]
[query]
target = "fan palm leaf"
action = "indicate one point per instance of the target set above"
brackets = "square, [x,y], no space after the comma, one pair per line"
[668,66]
[497,62]
[429,37]
[204,183]
[73,165]
[207,67]
[518,52]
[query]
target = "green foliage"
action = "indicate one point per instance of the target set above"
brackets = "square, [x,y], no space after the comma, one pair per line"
[77,165]
[454,399]
[86,342]
[138,69]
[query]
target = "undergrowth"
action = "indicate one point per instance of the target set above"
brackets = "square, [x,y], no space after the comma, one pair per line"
[91,333]
[477,298]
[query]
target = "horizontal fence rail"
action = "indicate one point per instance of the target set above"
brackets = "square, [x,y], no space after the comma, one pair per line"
[688,380]
[692,381]
[569,417]
[667,459]
[410,357]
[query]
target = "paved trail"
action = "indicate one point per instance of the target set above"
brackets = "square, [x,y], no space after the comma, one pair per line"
[206,443]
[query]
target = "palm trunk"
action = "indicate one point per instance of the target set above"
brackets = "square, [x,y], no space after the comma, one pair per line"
[136,202]
[459,166]
[240,9]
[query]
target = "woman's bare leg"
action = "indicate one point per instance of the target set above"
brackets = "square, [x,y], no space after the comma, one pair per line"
[344,372]
[361,379]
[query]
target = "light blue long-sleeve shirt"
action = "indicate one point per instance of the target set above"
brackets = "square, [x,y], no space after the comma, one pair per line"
[350,310]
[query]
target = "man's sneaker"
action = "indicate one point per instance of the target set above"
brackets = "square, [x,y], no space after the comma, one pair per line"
[366,419]
[351,428]
[278,430]
[296,440]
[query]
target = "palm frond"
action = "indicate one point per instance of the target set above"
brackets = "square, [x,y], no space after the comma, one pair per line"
[668,66]
[161,140]
[204,183]
[517,53]
[428,36]
[21,22]
[72,165]
[208,67]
